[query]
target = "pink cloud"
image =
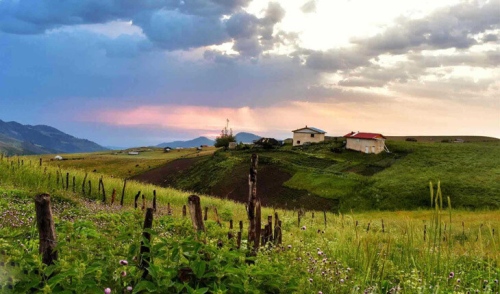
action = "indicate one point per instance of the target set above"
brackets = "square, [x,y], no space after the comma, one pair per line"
[407,117]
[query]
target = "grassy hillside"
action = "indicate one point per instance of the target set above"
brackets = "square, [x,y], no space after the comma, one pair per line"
[469,173]
[426,251]
[119,163]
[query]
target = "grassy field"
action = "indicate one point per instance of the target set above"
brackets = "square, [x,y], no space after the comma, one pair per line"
[119,163]
[433,250]
[469,173]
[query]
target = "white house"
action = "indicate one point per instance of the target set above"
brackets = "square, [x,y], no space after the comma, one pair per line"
[308,135]
[365,142]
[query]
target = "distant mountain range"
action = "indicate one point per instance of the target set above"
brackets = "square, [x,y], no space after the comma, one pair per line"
[16,138]
[240,137]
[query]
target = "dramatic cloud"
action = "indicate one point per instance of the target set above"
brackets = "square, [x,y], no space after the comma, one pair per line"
[309,7]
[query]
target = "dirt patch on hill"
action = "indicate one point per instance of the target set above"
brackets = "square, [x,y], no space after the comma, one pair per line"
[165,175]
[235,185]
[270,180]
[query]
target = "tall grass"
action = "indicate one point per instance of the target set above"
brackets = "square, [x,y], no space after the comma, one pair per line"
[424,251]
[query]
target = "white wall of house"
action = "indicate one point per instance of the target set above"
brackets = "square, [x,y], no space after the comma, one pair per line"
[299,138]
[365,145]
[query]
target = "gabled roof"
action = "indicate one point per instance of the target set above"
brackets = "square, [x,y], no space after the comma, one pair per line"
[367,136]
[309,130]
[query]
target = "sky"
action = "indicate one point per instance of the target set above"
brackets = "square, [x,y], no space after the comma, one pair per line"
[136,73]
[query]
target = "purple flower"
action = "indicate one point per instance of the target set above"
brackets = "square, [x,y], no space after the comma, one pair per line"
[129,288]
[289,246]
[451,275]
[124,273]
[310,280]
[303,228]
[107,291]
[319,292]
[123,262]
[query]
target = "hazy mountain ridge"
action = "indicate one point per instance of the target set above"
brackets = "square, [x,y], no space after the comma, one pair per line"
[16,138]
[240,137]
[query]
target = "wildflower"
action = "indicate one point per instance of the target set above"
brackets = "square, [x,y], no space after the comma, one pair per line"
[310,280]
[451,275]
[320,252]
[124,273]
[289,246]
[303,228]
[129,288]
[458,281]
[107,291]
[341,281]
[319,292]
[123,262]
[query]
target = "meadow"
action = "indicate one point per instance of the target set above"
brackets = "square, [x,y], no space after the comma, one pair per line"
[469,173]
[434,250]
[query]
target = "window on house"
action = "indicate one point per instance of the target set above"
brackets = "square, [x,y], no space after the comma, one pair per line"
[312,135]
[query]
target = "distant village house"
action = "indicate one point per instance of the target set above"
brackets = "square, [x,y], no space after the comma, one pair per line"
[365,142]
[308,135]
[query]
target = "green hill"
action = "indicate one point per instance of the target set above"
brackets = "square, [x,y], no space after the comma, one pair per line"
[469,174]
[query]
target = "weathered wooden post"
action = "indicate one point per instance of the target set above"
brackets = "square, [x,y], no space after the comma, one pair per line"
[205,218]
[143,202]
[90,187]
[217,219]
[67,181]
[57,177]
[113,196]
[136,198]
[74,184]
[195,212]
[103,192]
[83,183]
[184,211]
[46,229]
[154,200]
[40,161]
[241,226]
[230,224]
[123,192]
[324,215]
[253,204]
[169,209]
[383,227]
[269,232]
[238,240]
[298,218]
[145,248]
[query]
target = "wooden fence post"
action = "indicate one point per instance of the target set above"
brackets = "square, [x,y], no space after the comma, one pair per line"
[90,187]
[46,229]
[145,248]
[143,202]
[136,198]
[184,211]
[205,218]
[154,200]
[195,212]
[238,240]
[113,196]
[67,181]
[83,183]
[169,209]
[217,217]
[123,192]
[253,204]
[40,161]
[324,215]
[74,184]
[103,191]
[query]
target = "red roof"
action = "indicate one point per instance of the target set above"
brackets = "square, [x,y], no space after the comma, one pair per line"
[369,136]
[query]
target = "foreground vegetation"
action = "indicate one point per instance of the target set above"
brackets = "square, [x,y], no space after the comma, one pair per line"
[437,250]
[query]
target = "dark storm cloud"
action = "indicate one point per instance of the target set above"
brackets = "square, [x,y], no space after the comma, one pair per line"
[335,59]
[169,25]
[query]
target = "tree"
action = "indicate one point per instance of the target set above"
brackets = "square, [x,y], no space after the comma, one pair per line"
[226,136]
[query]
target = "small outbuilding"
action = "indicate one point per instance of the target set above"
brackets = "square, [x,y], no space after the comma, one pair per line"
[365,142]
[308,135]
[267,143]
[58,157]
[133,153]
